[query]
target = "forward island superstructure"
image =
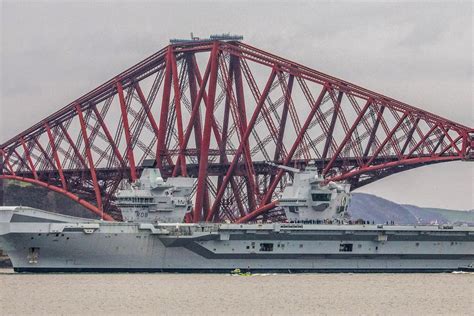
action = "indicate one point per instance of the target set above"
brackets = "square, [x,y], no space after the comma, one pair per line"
[317,236]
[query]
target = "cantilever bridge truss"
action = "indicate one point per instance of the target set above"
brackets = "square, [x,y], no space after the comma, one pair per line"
[219,111]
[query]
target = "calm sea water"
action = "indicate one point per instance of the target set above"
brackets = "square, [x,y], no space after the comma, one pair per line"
[211,294]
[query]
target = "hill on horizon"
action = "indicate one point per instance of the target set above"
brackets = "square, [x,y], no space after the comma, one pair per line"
[374,208]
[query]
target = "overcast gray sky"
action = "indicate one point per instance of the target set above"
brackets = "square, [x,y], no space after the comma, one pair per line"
[418,52]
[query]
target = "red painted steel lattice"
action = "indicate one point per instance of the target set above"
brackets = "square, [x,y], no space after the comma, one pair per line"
[218,111]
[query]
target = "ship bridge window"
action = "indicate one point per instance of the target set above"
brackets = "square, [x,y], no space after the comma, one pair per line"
[345,248]
[266,246]
[321,207]
[135,200]
[321,197]
[294,209]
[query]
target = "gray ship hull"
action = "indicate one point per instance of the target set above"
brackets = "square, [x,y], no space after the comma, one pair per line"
[38,241]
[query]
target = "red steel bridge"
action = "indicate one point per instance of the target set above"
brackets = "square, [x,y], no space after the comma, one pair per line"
[219,111]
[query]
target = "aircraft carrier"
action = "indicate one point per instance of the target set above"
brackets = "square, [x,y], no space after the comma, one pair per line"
[317,236]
